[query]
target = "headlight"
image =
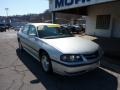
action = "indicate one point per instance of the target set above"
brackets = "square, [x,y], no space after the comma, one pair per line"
[70,58]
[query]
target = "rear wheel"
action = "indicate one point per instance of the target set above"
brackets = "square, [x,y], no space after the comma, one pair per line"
[46,63]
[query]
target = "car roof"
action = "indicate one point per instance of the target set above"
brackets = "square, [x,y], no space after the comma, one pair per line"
[44,24]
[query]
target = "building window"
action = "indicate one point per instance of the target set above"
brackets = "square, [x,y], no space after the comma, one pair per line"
[103,21]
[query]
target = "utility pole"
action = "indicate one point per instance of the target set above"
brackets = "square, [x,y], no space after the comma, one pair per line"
[6,10]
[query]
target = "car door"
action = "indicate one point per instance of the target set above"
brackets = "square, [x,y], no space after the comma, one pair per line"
[33,41]
[24,36]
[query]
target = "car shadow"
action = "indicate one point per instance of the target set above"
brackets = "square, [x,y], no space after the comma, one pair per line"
[110,46]
[111,50]
[94,80]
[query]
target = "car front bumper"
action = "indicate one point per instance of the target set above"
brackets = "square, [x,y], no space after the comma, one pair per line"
[73,70]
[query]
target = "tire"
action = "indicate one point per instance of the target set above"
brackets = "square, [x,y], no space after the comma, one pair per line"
[46,63]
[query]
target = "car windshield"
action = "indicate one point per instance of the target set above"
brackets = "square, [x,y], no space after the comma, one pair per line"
[54,32]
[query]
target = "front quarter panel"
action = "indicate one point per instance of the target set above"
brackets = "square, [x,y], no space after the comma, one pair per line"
[53,52]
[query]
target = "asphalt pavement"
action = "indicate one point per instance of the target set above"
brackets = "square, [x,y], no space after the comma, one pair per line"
[20,71]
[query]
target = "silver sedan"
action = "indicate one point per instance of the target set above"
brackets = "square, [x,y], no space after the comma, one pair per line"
[58,50]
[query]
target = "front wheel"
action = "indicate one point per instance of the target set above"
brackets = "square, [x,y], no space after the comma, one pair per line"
[46,63]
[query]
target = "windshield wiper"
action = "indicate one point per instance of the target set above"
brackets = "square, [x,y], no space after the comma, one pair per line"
[59,36]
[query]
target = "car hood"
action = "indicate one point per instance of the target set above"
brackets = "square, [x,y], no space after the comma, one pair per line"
[72,45]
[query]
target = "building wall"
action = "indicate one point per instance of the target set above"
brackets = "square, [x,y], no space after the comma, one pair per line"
[113,9]
[56,5]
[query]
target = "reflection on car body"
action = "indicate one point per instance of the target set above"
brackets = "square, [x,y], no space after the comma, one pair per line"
[58,50]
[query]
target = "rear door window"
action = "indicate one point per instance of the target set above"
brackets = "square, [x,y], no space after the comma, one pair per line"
[25,29]
[32,30]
